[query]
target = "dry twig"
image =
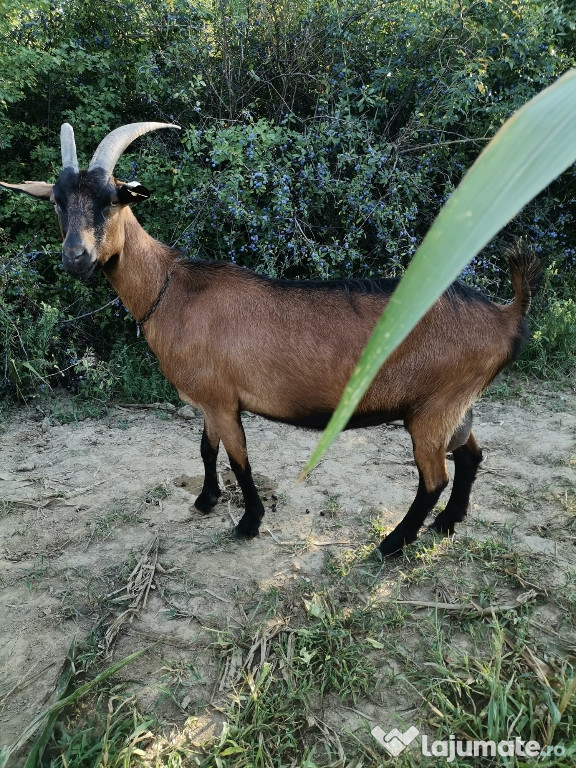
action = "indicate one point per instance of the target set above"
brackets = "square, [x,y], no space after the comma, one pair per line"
[136,592]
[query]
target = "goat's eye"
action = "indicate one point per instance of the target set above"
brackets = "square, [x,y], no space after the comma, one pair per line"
[114,203]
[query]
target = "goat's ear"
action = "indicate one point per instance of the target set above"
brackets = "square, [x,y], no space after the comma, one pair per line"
[38,189]
[132,192]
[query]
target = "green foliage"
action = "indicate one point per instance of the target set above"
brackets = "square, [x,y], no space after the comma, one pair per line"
[131,372]
[320,139]
[552,347]
[479,694]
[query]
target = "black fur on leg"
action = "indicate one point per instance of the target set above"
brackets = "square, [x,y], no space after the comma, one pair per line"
[211,492]
[467,459]
[249,524]
[407,531]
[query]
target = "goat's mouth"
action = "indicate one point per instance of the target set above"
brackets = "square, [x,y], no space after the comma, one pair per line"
[81,271]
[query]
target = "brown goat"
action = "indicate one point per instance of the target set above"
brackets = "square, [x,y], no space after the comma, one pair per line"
[230,340]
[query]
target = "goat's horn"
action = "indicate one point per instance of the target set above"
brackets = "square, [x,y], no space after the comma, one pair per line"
[68,145]
[110,148]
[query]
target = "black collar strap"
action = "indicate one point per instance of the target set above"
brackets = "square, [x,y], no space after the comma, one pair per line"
[156,304]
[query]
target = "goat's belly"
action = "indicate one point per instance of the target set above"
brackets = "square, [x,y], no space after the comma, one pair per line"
[320,420]
[313,415]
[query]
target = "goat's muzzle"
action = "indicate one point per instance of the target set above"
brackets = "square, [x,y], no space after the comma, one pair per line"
[77,260]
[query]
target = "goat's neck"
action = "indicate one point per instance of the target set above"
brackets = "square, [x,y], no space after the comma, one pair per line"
[141,268]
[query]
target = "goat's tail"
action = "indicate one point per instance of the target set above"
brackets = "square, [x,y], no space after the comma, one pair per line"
[526,273]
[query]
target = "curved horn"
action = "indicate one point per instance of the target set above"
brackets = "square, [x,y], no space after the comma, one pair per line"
[68,145]
[110,148]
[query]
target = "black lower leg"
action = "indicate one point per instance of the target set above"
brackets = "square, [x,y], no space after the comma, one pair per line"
[466,463]
[253,507]
[407,531]
[210,490]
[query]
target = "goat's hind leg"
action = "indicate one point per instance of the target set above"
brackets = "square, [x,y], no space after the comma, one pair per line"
[211,492]
[433,478]
[467,458]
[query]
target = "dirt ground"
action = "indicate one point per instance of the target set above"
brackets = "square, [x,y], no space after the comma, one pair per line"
[81,502]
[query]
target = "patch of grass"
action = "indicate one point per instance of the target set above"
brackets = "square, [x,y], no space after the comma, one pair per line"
[330,656]
[565,598]
[221,539]
[394,617]
[73,408]
[567,498]
[178,676]
[332,507]
[339,564]
[273,717]
[36,573]
[499,557]
[515,498]
[102,526]
[505,387]
[500,691]
[125,512]
[269,723]
[157,494]
[109,730]
[558,460]
[9,507]
[86,723]
[267,604]
[376,529]
[85,595]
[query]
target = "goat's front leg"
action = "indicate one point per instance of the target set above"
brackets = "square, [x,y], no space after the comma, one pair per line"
[209,451]
[229,427]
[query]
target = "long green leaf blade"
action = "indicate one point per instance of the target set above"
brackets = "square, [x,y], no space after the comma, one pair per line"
[530,150]
[48,716]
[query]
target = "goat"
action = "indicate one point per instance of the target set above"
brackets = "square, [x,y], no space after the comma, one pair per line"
[230,340]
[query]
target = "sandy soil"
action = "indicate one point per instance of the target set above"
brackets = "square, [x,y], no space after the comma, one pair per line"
[80,503]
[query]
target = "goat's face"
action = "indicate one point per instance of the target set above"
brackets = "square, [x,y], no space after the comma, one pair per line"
[91,209]
[91,205]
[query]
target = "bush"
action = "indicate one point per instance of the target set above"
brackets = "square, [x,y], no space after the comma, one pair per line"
[320,140]
[551,350]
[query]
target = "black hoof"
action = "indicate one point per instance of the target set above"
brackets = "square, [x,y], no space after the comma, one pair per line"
[393,545]
[206,502]
[444,528]
[446,520]
[245,532]
[388,550]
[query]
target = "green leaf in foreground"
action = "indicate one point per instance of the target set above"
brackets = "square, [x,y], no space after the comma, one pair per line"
[49,715]
[530,150]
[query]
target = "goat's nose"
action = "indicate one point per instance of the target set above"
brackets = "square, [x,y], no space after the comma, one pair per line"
[75,257]
[73,251]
